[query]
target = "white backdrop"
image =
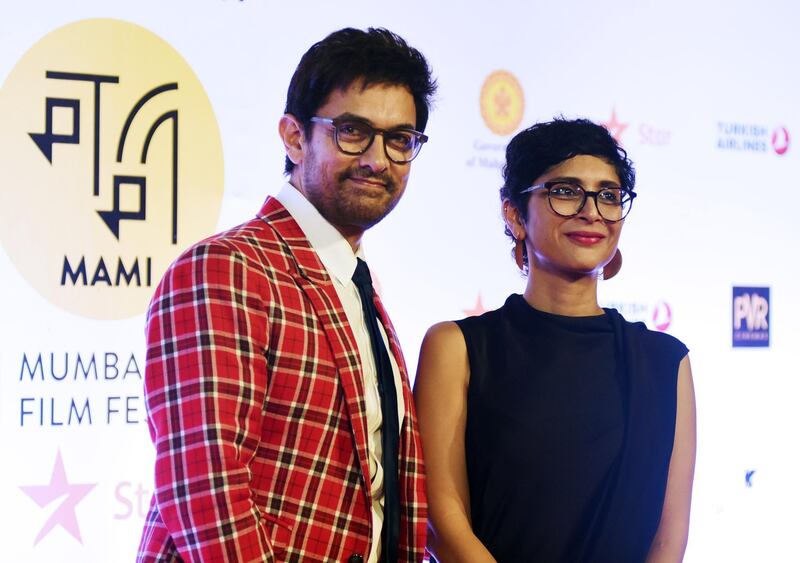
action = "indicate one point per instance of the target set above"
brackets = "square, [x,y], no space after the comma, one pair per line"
[705,98]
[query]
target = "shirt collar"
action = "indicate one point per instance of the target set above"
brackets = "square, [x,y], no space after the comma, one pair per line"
[333,250]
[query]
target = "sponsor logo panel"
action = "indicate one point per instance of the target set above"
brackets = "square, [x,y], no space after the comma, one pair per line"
[750,317]
[111,162]
[502,107]
[755,138]
[657,314]
[502,102]
[642,133]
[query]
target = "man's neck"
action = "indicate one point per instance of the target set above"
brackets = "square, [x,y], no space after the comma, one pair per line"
[351,234]
[354,238]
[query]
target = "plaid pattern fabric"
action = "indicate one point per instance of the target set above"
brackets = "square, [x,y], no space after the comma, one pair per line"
[256,408]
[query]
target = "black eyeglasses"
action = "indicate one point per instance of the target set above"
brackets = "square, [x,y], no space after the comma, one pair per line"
[567,199]
[354,137]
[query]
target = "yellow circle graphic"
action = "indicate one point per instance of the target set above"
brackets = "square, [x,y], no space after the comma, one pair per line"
[502,102]
[110,165]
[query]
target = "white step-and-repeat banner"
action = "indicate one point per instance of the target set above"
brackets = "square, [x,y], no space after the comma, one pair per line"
[129,130]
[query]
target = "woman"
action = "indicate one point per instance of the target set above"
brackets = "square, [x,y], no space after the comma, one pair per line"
[554,430]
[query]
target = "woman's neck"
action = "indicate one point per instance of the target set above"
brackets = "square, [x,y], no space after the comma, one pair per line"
[555,292]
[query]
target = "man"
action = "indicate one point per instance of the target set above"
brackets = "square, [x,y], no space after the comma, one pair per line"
[277,396]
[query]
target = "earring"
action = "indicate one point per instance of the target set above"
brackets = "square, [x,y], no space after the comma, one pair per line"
[519,253]
[612,268]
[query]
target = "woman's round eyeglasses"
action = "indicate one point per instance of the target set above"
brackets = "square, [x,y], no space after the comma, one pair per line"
[567,199]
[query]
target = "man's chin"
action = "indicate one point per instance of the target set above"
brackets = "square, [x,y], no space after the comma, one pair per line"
[366,221]
[365,216]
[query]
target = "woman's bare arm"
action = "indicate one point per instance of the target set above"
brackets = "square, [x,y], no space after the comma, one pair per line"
[670,540]
[440,393]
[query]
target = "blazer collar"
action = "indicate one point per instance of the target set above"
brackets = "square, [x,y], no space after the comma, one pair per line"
[308,263]
[333,250]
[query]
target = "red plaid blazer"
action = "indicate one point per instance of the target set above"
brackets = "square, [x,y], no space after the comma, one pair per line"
[256,408]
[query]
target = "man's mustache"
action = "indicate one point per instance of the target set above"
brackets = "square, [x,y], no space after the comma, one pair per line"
[365,172]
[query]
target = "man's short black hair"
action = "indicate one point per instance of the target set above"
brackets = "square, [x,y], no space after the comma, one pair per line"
[374,56]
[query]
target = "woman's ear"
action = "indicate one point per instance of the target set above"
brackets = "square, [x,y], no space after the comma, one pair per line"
[293,136]
[516,226]
[513,220]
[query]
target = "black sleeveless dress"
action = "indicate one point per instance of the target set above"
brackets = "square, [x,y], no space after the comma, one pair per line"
[569,433]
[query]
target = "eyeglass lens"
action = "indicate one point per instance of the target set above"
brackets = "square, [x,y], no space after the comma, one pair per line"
[613,204]
[355,137]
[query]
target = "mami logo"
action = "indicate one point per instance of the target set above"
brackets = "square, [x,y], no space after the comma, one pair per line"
[111,165]
[750,316]
[77,274]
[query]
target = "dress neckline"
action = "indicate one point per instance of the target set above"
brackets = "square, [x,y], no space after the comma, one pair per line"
[526,315]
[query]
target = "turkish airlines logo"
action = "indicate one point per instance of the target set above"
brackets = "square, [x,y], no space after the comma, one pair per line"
[657,315]
[752,138]
[780,140]
[661,316]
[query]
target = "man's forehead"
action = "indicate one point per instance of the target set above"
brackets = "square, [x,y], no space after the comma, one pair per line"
[376,100]
[361,83]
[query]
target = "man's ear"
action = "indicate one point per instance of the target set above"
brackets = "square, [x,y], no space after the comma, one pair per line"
[293,136]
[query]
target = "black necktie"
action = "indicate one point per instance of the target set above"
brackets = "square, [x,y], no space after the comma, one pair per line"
[391,426]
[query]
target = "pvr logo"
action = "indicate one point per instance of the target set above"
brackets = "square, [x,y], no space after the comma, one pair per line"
[125,168]
[751,316]
[753,310]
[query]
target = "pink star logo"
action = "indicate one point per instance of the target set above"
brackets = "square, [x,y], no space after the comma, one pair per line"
[614,126]
[478,309]
[72,494]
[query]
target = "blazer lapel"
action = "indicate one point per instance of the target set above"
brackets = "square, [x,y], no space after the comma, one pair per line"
[313,280]
[394,345]
[410,464]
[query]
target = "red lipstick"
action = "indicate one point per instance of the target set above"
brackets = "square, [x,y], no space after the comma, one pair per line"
[585,238]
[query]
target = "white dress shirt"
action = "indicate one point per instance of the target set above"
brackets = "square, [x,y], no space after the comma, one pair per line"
[339,260]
